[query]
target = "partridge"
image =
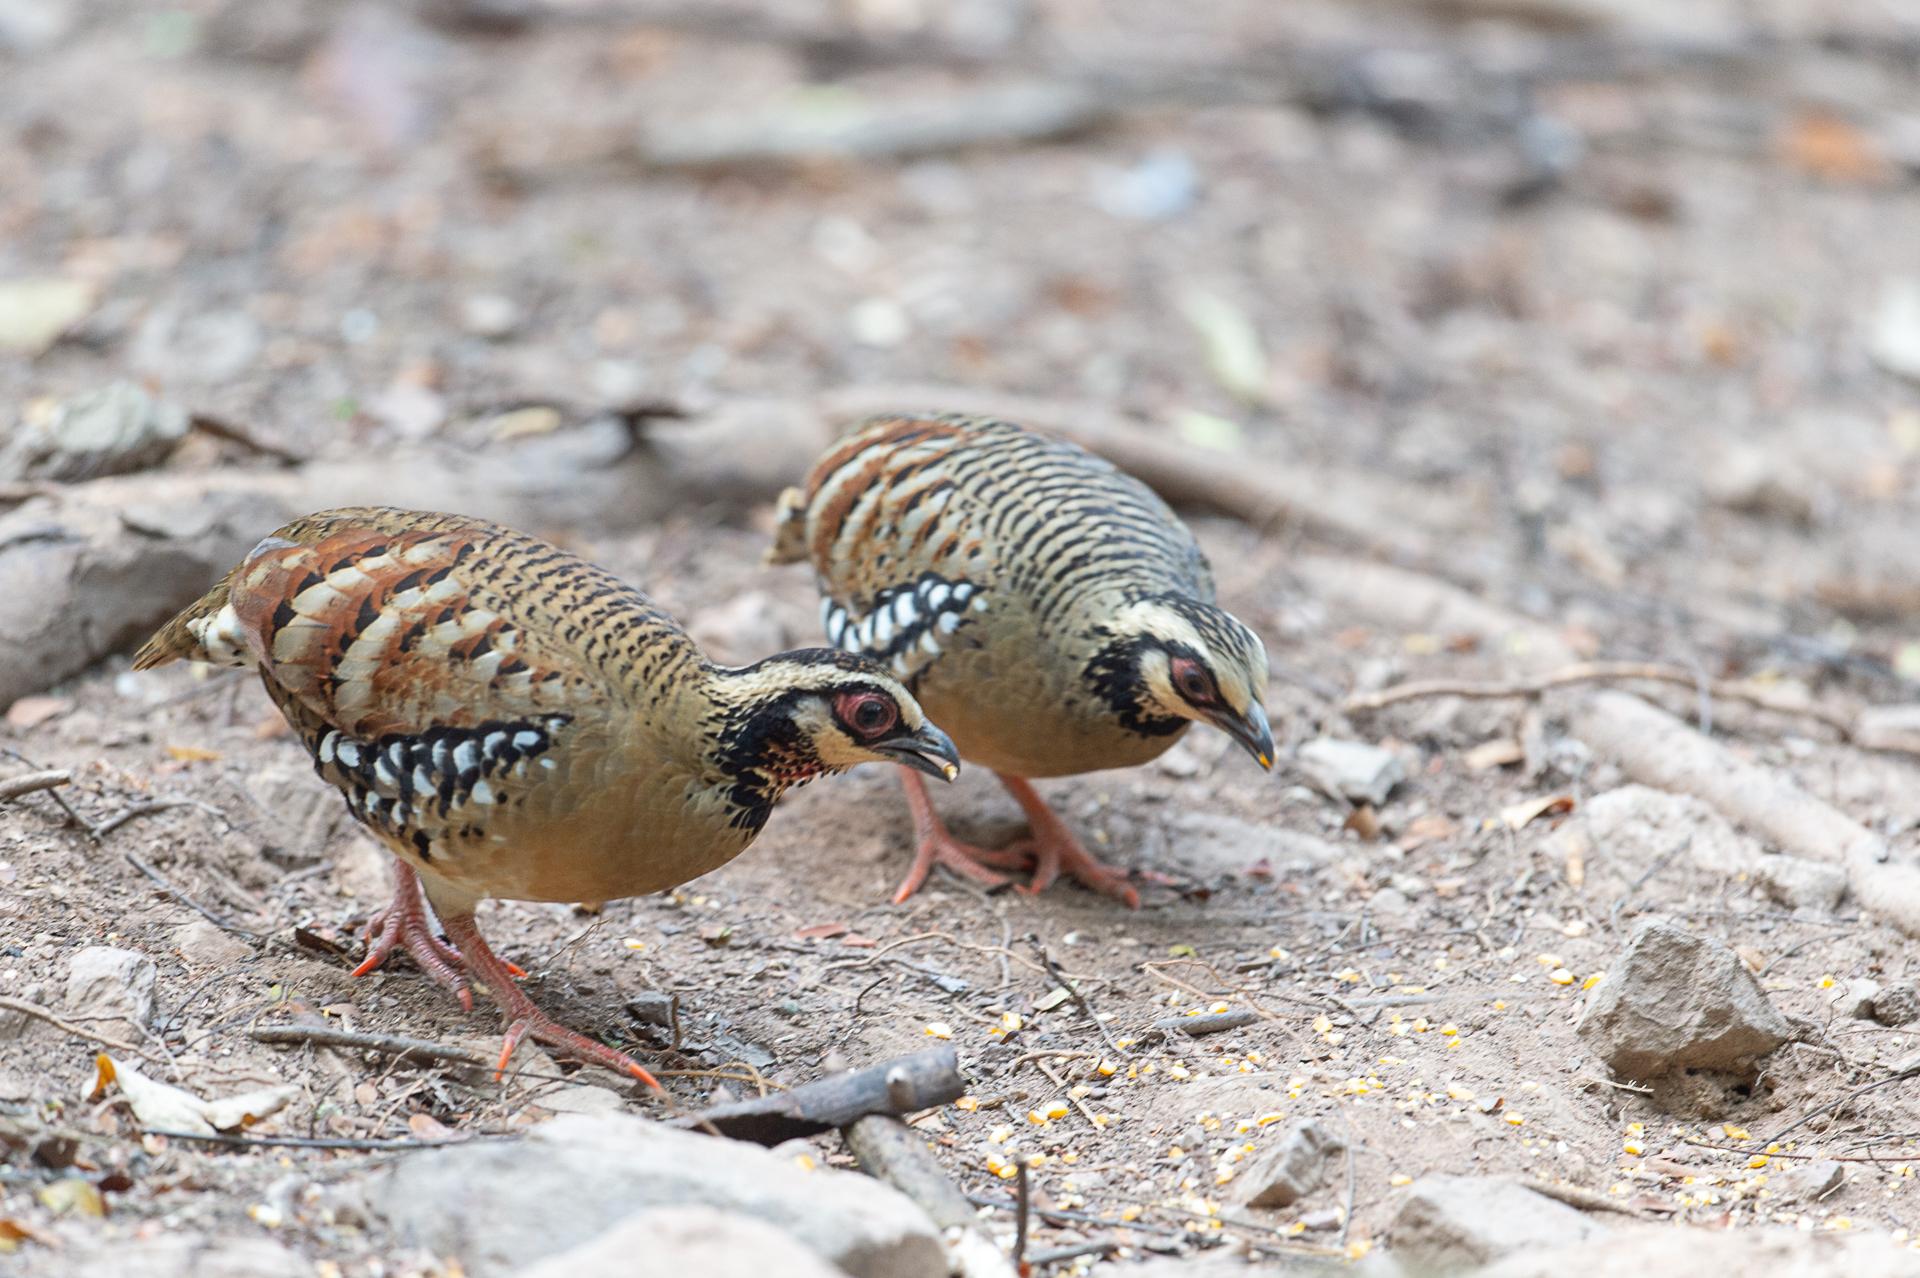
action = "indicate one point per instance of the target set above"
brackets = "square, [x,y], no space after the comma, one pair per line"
[1047,610]
[511,721]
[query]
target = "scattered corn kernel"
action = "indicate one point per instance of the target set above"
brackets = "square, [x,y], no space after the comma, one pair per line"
[967,1103]
[1547,960]
[939,1029]
[1399,1178]
[1009,1022]
[1449,1029]
[1560,976]
[1348,977]
[1222,1176]
[1593,980]
[1323,1024]
[1057,1110]
[1735,1133]
[1106,1069]
[1268,1119]
[805,1162]
[1456,1091]
[1079,1091]
[1221,1007]
[1000,1135]
[1499,1005]
[633,944]
[1758,1161]
[1179,1071]
[1516,1120]
[1825,982]
[1634,1148]
[1037,1118]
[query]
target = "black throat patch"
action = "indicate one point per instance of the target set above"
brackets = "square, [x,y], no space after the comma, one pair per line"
[1113,676]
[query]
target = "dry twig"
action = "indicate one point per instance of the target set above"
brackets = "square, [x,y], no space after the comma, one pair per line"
[32,783]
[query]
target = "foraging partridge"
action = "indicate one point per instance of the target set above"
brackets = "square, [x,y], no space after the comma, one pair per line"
[1049,611]
[511,721]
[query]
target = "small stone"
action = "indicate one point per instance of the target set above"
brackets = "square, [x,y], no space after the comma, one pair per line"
[651,1007]
[1289,1170]
[1897,1004]
[111,985]
[879,322]
[1447,1223]
[490,315]
[412,411]
[1674,1001]
[1854,1000]
[1889,727]
[1799,883]
[1214,843]
[1894,342]
[115,430]
[1352,769]
[589,1173]
[205,944]
[688,1240]
[212,346]
[1809,1181]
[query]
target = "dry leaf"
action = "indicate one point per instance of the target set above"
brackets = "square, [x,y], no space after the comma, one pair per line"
[1823,144]
[1523,814]
[1427,828]
[164,1107]
[1575,844]
[14,1232]
[31,712]
[72,1194]
[428,1128]
[821,931]
[1363,821]
[1503,752]
[192,754]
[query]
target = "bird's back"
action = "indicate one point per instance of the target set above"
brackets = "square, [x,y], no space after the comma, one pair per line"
[981,559]
[497,709]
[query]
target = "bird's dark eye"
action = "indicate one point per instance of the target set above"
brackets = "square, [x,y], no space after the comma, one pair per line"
[868,713]
[1194,683]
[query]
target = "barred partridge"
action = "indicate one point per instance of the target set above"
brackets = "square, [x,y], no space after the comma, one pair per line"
[1046,609]
[511,721]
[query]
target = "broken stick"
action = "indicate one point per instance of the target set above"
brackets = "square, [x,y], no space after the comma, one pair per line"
[895,1087]
[891,1151]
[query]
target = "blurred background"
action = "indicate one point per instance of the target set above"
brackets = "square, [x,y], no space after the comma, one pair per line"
[1607,310]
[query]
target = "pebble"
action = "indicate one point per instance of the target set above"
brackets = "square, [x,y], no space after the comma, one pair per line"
[190,1255]
[1289,1169]
[1854,1000]
[1352,769]
[1674,1001]
[114,430]
[110,985]
[205,944]
[687,1240]
[1897,1004]
[490,315]
[1447,1223]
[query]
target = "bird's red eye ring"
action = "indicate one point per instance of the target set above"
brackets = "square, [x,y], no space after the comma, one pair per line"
[1192,681]
[866,714]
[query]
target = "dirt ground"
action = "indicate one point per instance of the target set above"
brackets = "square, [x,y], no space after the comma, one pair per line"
[1599,307]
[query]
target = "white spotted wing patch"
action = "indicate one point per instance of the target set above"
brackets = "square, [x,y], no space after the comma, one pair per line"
[417,788]
[905,626]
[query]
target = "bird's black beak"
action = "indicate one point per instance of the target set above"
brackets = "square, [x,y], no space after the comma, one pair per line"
[929,750]
[1251,730]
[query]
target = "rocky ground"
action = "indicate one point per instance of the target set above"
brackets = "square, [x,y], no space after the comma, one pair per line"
[1560,332]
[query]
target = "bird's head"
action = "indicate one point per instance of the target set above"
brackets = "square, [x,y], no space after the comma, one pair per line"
[1166,660]
[797,715]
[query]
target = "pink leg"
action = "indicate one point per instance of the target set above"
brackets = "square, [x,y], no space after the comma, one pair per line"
[1055,850]
[405,924]
[523,1017]
[933,844]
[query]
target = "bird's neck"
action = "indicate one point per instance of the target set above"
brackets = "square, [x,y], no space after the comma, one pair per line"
[759,750]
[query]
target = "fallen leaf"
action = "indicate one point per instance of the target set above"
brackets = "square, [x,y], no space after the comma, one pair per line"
[1051,999]
[14,1232]
[1576,858]
[164,1107]
[1232,344]
[35,312]
[821,931]
[1363,821]
[858,941]
[192,754]
[31,712]
[1827,146]
[428,1128]
[366,1094]
[716,933]
[72,1194]
[1426,829]
[1502,752]
[1523,814]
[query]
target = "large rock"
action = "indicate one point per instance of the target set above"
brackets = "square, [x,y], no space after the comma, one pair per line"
[191,1256]
[1293,1167]
[105,984]
[1673,1001]
[1670,1249]
[1446,1223]
[499,1207]
[687,1240]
